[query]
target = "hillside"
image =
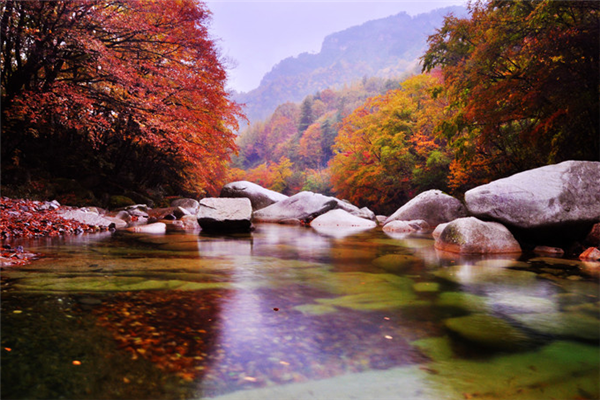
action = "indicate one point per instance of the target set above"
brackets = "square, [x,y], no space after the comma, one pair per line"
[386,47]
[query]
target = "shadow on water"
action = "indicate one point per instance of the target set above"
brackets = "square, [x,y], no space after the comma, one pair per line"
[288,312]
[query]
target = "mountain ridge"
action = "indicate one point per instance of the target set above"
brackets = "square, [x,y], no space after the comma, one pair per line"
[387,47]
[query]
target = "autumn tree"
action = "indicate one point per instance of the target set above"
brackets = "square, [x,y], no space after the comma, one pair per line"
[306,114]
[382,143]
[522,79]
[129,92]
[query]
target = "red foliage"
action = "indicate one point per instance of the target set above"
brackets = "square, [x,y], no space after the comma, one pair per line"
[33,219]
[121,74]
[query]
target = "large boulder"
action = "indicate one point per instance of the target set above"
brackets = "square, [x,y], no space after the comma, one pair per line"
[554,196]
[258,195]
[339,223]
[190,205]
[432,206]
[85,216]
[305,206]
[472,236]
[157,227]
[339,218]
[225,215]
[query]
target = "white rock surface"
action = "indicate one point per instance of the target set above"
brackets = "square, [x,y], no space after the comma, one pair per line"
[432,206]
[564,193]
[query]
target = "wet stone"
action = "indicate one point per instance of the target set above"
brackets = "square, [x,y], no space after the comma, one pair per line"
[488,331]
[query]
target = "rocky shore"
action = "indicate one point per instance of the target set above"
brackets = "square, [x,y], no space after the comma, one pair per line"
[549,210]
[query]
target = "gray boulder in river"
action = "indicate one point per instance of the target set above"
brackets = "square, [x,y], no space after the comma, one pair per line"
[304,207]
[221,215]
[472,236]
[258,195]
[433,206]
[563,199]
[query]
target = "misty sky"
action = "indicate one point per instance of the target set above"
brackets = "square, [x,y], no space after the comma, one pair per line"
[256,35]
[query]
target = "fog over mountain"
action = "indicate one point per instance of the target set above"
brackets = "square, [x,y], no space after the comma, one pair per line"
[387,47]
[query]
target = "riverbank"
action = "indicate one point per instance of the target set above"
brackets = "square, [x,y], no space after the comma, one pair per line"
[29,219]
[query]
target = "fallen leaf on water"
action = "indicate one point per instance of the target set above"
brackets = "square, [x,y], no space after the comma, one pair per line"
[429,370]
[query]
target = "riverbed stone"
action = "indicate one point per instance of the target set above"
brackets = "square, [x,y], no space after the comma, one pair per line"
[566,324]
[559,196]
[472,236]
[438,230]
[549,250]
[259,196]
[303,206]
[591,254]
[339,218]
[593,237]
[86,217]
[217,214]
[433,206]
[485,276]
[466,302]
[396,262]
[488,331]
[190,205]
[413,226]
[157,227]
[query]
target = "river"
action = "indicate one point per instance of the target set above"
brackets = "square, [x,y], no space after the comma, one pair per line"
[288,312]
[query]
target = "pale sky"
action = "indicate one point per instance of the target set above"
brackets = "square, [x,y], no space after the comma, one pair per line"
[256,35]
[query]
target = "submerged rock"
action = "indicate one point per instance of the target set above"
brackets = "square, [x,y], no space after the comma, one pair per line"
[559,370]
[463,301]
[433,206]
[547,250]
[396,262]
[473,236]
[567,324]
[406,226]
[488,331]
[225,214]
[258,195]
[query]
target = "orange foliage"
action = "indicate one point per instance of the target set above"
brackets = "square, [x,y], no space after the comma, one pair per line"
[382,143]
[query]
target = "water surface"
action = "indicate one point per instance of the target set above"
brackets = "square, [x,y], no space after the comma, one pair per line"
[289,312]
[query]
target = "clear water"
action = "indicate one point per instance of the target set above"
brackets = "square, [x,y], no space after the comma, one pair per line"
[290,313]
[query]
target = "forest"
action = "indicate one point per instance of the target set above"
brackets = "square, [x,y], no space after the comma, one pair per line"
[514,86]
[112,97]
[128,97]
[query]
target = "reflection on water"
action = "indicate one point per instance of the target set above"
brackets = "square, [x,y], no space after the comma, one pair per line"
[290,312]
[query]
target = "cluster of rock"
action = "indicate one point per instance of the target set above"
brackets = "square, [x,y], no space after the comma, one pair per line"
[548,206]
[555,205]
